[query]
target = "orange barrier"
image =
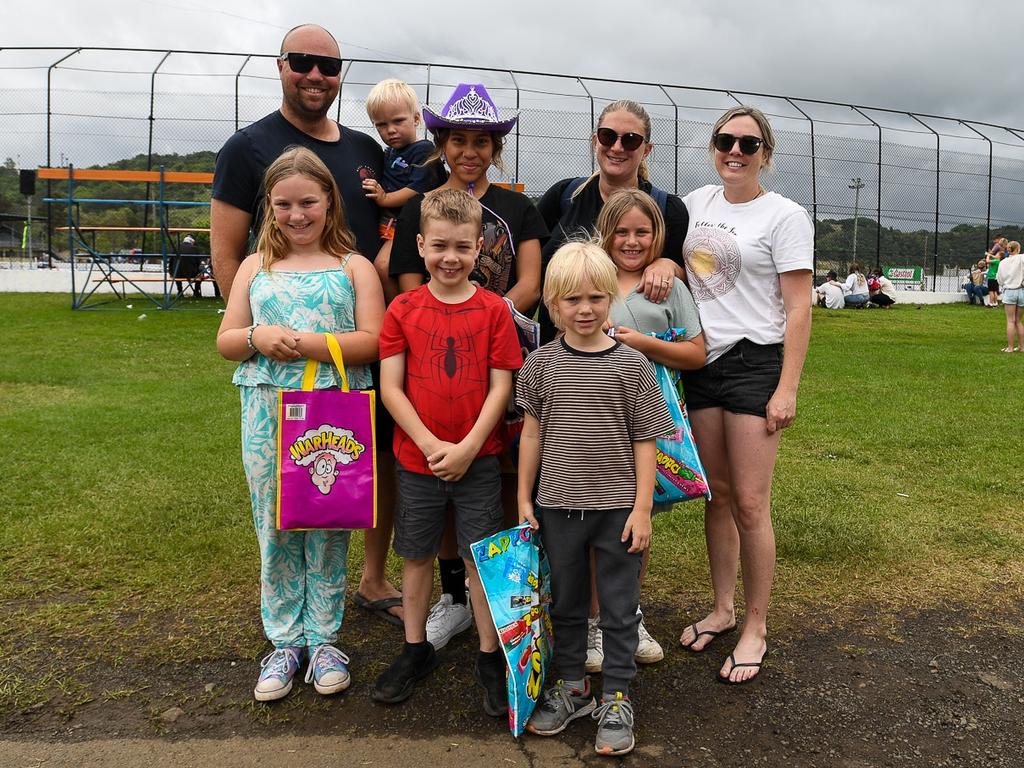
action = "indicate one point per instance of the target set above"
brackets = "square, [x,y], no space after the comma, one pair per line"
[187,177]
[136,229]
[91,174]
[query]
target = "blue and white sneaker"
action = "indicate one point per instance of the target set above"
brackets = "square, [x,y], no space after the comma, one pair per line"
[278,669]
[328,670]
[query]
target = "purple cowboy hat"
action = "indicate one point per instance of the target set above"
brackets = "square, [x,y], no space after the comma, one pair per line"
[470,108]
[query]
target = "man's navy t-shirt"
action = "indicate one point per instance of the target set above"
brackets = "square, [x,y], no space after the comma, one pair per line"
[244,158]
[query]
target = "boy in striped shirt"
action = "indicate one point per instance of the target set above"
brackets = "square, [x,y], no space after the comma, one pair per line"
[592,413]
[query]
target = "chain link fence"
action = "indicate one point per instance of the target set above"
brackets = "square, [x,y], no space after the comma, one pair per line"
[886,188]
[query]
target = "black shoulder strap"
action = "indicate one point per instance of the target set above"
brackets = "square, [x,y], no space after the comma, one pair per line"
[571,187]
[660,196]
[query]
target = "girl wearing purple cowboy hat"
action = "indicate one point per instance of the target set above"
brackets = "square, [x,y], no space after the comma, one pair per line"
[468,138]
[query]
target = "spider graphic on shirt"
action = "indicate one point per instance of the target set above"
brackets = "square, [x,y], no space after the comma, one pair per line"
[451,359]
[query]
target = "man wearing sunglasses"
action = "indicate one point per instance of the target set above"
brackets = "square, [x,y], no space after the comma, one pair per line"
[310,70]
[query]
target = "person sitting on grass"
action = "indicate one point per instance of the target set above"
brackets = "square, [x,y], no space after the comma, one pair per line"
[856,287]
[977,286]
[830,293]
[884,296]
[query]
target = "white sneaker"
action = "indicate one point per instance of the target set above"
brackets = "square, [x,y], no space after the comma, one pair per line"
[648,650]
[595,646]
[446,619]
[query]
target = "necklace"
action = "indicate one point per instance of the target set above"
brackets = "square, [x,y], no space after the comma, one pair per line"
[760,191]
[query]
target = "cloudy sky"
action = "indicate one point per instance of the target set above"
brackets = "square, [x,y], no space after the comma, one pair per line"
[932,56]
[935,57]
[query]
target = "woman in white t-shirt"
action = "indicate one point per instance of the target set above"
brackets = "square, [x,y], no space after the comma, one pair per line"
[1011,287]
[856,287]
[749,255]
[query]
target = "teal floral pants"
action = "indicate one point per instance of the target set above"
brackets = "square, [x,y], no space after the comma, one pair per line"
[302,573]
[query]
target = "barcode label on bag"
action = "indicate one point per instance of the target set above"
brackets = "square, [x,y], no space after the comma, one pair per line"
[295,412]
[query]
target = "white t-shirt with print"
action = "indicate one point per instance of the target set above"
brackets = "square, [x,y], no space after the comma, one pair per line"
[734,255]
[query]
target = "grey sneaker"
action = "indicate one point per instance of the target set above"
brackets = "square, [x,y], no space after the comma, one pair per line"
[559,706]
[614,726]
[595,646]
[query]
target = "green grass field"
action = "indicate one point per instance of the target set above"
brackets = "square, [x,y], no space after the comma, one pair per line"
[125,527]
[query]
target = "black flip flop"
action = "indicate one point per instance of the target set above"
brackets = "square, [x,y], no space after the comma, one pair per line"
[725,679]
[698,633]
[380,607]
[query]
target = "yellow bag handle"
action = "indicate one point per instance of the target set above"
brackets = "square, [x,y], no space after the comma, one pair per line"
[309,375]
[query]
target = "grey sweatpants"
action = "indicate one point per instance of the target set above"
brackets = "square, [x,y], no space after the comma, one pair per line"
[568,536]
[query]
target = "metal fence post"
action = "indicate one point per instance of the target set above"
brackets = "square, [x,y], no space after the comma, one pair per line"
[49,148]
[516,84]
[593,127]
[988,209]
[814,187]
[675,154]
[938,162]
[149,152]
[878,228]
[238,75]
[341,85]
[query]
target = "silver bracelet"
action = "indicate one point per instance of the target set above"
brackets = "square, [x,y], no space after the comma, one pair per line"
[248,338]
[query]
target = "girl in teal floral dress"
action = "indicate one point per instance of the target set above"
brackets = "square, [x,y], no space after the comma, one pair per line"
[303,281]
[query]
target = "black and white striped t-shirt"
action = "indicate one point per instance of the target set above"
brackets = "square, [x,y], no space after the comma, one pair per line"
[592,407]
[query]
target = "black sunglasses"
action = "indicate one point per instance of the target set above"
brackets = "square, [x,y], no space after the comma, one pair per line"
[606,138]
[748,144]
[304,62]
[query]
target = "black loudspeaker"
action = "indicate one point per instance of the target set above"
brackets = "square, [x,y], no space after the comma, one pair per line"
[28,183]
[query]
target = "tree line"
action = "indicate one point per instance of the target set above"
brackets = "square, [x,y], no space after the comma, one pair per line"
[961,245]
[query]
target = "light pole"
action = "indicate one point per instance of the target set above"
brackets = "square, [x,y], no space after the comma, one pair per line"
[856,186]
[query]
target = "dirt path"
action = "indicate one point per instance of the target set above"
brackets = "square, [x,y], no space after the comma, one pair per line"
[934,689]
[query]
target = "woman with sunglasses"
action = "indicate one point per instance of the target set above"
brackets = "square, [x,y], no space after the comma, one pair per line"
[749,255]
[621,145]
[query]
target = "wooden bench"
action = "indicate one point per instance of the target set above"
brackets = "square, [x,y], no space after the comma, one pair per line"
[151,279]
[116,280]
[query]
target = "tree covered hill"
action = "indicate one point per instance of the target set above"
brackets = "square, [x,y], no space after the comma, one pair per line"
[961,245]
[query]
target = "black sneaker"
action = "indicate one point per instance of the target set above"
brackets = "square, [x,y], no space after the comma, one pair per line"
[395,684]
[489,672]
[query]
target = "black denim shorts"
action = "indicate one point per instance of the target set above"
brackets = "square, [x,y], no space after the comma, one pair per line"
[742,380]
[423,503]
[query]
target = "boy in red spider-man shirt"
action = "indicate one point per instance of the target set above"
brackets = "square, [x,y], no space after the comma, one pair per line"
[448,349]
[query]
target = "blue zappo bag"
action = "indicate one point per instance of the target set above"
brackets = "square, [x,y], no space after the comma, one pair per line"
[680,475]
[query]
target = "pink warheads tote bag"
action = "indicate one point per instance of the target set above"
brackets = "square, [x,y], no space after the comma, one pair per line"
[326,458]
